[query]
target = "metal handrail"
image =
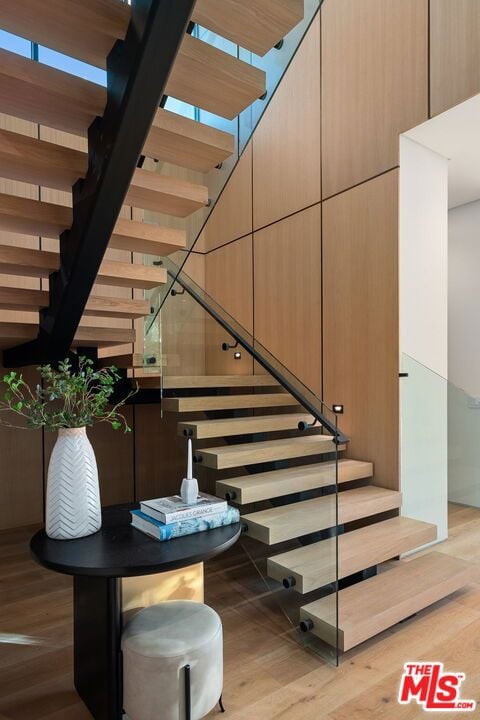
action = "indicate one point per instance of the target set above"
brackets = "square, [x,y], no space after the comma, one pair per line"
[219,315]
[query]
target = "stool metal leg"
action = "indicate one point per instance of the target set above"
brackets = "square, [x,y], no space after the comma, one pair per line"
[220,702]
[188,694]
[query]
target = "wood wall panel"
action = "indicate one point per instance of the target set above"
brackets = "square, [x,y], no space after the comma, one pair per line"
[286,153]
[231,218]
[455,52]
[229,281]
[287,280]
[21,471]
[374,85]
[360,358]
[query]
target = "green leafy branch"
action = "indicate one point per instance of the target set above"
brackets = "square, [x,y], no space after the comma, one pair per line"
[67,398]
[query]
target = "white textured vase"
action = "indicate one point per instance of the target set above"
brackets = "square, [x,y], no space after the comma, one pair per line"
[73,497]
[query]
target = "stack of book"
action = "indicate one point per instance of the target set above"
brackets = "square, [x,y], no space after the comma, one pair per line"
[170,517]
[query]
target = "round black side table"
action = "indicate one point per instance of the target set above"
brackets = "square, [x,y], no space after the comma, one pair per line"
[97,564]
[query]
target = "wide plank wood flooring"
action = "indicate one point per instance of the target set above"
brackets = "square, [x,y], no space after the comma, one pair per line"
[268,676]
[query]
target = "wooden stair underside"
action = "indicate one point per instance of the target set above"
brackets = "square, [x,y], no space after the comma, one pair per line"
[87,31]
[38,218]
[201,429]
[12,298]
[204,76]
[369,607]
[153,378]
[254,25]
[314,566]
[65,102]
[287,522]
[40,264]
[228,456]
[14,333]
[278,483]
[227,402]
[28,159]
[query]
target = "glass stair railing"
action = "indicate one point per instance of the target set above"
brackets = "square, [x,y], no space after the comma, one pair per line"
[263,441]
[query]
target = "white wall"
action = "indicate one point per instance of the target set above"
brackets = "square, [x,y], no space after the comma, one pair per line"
[464,297]
[423,263]
[464,354]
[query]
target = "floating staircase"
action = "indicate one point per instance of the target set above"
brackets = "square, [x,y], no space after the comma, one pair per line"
[287,497]
[201,74]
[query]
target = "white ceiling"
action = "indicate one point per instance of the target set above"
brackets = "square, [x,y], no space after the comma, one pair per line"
[455,134]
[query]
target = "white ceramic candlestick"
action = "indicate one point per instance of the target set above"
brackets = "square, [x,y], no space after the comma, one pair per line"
[189,489]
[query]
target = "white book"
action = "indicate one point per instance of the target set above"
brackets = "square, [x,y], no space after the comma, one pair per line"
[172,509]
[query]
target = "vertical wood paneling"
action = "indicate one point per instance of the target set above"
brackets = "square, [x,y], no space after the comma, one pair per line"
[455,52]
[229,281]
[286,156]
[21,470]
[374,85]
[231,217]
[360,358]
[288,293]
[159,462]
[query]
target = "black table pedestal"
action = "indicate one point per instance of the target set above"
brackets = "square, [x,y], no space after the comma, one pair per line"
[97,651]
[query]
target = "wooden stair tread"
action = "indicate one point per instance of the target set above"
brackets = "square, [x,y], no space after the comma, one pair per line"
[148,377]
[88,32]
[292,521]
[45,95]
[13,298]
[371,606]
[48,164]
[227,402]
[202,75]
[125,360]
[12,333]
[277,483]
[35,217]
[208,78]
[314,566]
[254,25]
[186,142]
[228,456]
[29,262]
[201,429]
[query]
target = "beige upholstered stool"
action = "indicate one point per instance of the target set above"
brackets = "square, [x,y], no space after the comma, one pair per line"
[172,662]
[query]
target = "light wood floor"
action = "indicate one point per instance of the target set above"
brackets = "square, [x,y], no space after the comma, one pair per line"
[267,675]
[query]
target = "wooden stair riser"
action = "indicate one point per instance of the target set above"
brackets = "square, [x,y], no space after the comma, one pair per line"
[277,483]
[288,522]
[313,566]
